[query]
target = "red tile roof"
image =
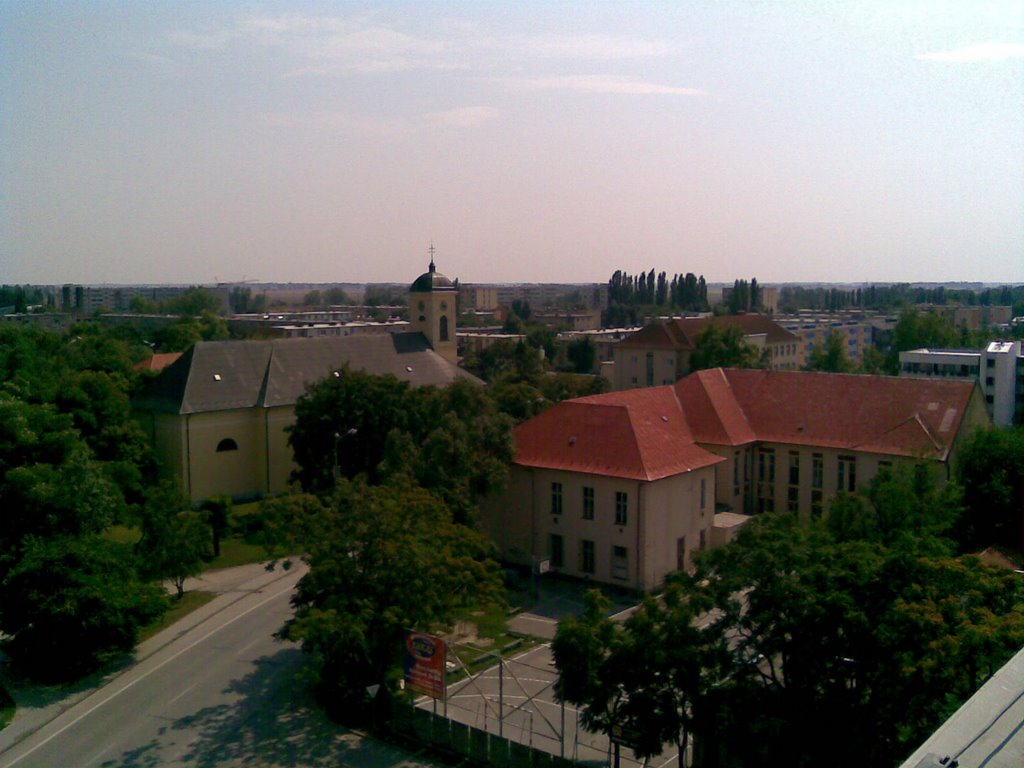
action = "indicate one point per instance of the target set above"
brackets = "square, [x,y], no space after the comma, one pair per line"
[640,435]
[655,432]
[682,333]
[158,361]
[879,414]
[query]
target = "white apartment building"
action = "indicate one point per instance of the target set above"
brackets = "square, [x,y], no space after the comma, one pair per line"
[999,368]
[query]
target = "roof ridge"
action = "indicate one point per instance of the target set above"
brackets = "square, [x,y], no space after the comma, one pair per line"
[636,442]
[261,398]
[915,416]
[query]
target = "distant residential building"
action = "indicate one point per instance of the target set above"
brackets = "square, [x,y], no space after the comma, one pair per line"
[623,488]
[544,295]
[473,342]
[53,321]
[570,320]
[999,368]
[856,335]
[972,317]
[660,353]
[478,297]
[89,299]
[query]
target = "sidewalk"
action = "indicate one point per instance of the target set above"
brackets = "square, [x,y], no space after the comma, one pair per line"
[38,705]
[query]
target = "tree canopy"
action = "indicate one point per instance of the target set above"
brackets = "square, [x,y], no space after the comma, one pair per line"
[72,462]
[830,356]
[804,634]
[990,468]
[382,559]
[452,441]
[723,346]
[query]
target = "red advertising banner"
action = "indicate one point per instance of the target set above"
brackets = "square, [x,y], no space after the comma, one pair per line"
[425,664]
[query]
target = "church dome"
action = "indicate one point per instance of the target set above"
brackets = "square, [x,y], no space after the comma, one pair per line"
[431,281]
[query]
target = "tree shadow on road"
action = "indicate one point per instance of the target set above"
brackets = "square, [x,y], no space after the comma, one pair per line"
[272,720]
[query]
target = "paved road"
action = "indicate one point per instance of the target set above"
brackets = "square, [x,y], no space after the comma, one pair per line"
[216,690]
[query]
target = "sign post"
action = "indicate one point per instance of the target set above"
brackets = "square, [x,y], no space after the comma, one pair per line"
[425,657]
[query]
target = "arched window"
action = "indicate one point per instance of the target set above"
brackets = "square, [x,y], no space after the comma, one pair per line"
[227,444]
[444,328]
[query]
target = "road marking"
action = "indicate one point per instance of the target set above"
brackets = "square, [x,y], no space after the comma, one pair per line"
[247,647]
[144,675]
[182,693]
[95,757]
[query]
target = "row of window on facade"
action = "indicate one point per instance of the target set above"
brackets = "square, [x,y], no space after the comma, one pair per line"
[621,502]
[619,555]
[846,478]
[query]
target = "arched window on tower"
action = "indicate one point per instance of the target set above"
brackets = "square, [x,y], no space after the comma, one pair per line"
[227,444]
[444,328]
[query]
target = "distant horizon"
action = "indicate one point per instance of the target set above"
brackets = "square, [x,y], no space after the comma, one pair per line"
[963,284]
[805,142]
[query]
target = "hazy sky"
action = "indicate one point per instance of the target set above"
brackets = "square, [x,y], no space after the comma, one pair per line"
[530,141]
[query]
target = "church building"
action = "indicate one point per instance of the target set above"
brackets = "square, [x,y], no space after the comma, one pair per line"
[218,417]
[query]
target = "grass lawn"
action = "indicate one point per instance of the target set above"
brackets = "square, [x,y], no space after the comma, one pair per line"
[492,638]
[236,552]
[189,602]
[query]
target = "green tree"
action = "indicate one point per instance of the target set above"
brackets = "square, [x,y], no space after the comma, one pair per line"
[582,354]
[906,503]
[174,537]
[193,303]
[872,361]
[385,560]
[853,640]
[648,676]
[178,337]
[143,306]
[72,604]
[830,356]
[916,330]
[323,439]
[50,485]
[452,441]
[990,468]
[336,296]
[723,346]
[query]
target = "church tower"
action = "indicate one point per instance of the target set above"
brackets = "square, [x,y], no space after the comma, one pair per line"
[432,310]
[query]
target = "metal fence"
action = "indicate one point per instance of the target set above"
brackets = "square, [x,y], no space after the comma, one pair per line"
[512,701]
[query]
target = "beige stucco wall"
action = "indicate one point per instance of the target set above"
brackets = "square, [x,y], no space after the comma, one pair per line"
[234,473]
[186,447]
[661,513]
[631,366]
[280,459]
[435,306]
[167,436]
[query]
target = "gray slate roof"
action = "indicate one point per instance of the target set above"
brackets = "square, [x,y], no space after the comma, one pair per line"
[223,375]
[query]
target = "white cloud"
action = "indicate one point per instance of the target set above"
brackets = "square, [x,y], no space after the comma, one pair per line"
[462,117]
[597,84]
[364,43]
[977,52]
[599,47]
